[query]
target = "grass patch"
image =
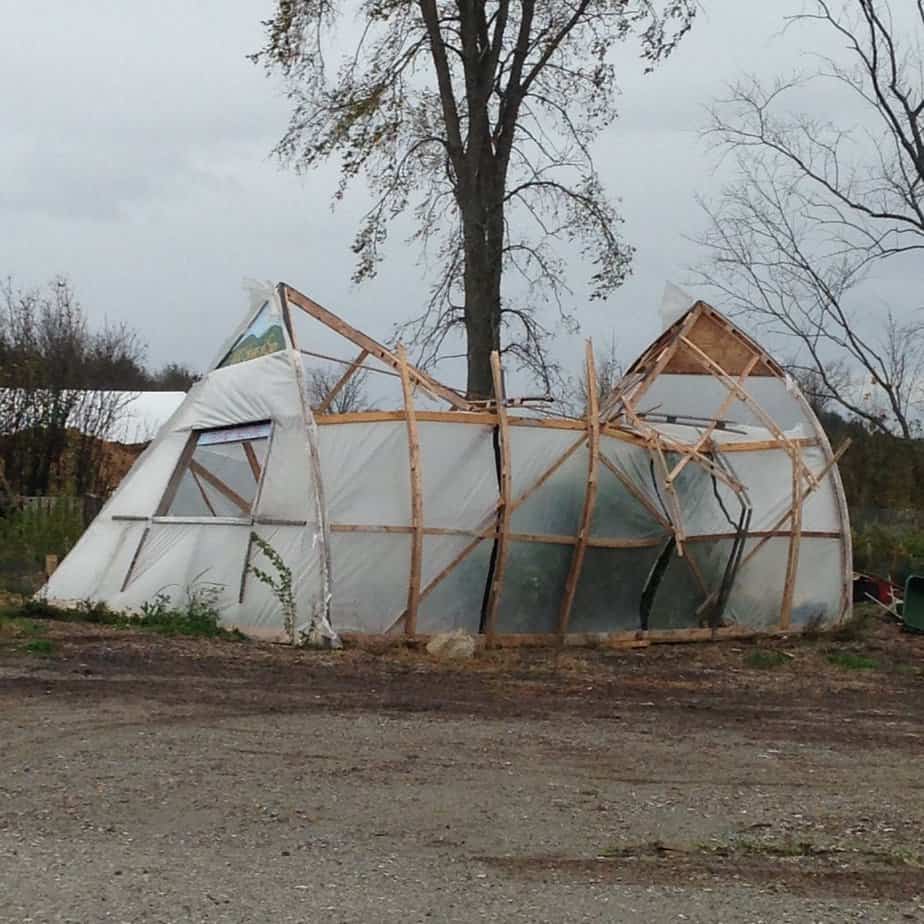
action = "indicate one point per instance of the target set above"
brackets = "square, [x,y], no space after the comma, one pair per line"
[765,659]
[12,625]
[850,661]
[197,616]
[43,647]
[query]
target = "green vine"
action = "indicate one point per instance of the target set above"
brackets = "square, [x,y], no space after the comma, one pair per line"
[280,585]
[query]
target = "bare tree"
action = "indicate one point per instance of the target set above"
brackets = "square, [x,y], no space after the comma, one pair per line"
[351,396]
[819,203]
[174,377]
[477,117]
[61,385]
[609,369]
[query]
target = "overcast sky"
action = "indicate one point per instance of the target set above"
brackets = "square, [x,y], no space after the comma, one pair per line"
[136,159]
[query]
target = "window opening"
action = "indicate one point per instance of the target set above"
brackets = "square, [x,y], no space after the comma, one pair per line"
[220,475]
[263,336]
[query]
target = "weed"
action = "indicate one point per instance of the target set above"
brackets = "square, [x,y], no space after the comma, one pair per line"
[765,659]
[850,661]
[281,585]
[197,616]
[13,625]
[43,647]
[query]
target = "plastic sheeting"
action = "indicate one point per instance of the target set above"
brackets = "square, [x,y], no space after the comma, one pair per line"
[335,502]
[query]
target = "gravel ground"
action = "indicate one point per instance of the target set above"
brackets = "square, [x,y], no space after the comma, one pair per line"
[154,780]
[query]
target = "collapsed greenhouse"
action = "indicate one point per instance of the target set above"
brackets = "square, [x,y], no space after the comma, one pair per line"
[700,498]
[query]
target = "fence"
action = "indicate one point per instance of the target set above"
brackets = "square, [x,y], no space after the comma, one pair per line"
[32,528]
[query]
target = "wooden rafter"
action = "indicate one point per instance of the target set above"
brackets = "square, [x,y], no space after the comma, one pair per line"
[373,347]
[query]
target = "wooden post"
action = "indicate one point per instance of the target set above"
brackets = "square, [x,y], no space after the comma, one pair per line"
[488,526]
[51,565]
[413,593]
[590,492]
[503,526]
[792,561]
[338,386]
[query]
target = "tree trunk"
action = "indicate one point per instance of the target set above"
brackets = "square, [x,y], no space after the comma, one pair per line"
[484,243]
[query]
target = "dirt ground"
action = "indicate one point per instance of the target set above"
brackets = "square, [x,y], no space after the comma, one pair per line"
[145,779]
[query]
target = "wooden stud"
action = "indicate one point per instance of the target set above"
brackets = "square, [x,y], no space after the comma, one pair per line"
[252,460]
[805,492]
[769,534]
[198,469]
[173,484]
[338,385]
[488,529]
[792,560]
[373,347]
[133,562]
[413,439]
[243,585]
[590,492]
[503,525]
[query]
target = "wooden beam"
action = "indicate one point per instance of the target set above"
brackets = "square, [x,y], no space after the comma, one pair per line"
[763,445]
[634,490]
[709,363]
[413,440]
[246,569]
[134,561]
[173,484]
[373,347]
[590,491]
[617,640]
[198,469]
[667,352]
[767,534]
[808,489]
[338,385]
[503,525]
[724,407]
[252,461]
[792,559]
